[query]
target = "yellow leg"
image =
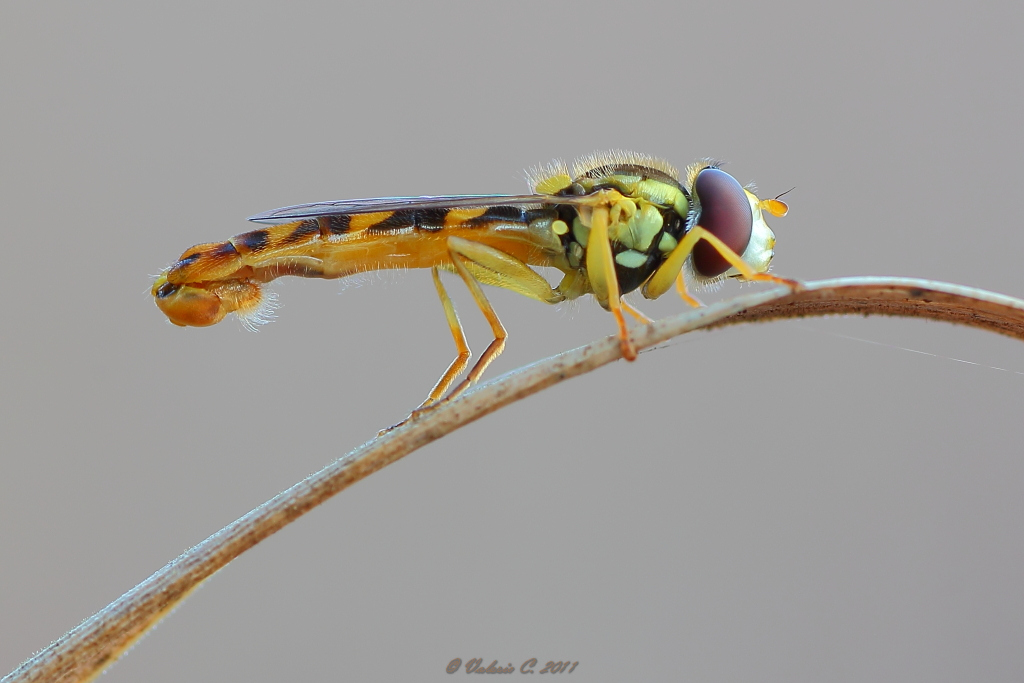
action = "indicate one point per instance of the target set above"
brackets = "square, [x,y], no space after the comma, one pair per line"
[684,294]
[461,347]
[476,263]
[500,335]
[601,270]
[667,273]
[736,262]
[494,349]
[492,266]
[436,396]
[637,315]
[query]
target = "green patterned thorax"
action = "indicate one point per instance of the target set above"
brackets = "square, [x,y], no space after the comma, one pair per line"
[645,226]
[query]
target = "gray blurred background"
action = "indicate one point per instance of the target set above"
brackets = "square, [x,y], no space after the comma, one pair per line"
[775,502]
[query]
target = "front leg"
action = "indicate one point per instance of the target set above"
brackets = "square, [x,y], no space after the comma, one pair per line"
[671,269]
[604,282]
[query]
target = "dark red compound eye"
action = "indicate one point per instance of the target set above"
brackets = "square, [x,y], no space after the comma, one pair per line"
[726,214]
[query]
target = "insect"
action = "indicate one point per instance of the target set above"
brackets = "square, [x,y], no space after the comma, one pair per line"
[618,222]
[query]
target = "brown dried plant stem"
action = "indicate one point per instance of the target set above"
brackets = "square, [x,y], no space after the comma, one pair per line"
[84,652]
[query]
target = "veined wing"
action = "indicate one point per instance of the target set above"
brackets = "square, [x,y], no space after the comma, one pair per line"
[381,204]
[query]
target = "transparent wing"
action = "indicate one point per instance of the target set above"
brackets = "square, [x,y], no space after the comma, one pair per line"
[352,206]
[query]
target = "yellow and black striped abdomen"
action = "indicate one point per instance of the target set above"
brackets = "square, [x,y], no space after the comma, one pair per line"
[339,245]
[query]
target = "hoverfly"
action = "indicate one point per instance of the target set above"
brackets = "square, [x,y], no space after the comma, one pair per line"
[619,221]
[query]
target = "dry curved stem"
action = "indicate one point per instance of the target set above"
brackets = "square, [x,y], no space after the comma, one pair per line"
[84,652]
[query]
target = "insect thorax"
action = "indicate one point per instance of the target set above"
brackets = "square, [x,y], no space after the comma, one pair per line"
[643,228]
